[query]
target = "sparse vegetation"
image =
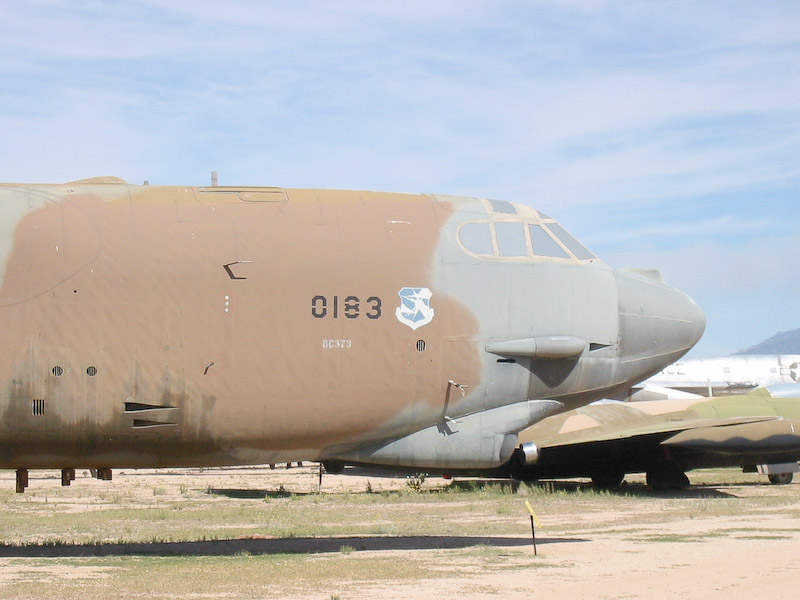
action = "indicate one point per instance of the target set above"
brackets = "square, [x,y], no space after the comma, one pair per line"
[163,540]
[415,482]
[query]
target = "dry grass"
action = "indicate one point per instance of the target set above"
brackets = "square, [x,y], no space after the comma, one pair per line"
[245,533]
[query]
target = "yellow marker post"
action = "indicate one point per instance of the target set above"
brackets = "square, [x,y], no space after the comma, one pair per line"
[535,519]
[533,514]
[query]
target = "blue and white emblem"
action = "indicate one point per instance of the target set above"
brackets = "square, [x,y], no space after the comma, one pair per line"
[415,307]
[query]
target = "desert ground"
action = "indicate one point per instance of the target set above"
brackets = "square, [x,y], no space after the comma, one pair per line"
[263,533]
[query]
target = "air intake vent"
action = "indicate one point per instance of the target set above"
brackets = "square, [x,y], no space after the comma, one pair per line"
[38,407]
[143,423]
[594,346]
[134,407]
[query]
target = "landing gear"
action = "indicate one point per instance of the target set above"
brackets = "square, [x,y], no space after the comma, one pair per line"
[608,478]
[781,478]
[667,476]
[67,476]
[335,467]
[22,480]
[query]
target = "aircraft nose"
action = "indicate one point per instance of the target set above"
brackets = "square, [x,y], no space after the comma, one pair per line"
[657,324]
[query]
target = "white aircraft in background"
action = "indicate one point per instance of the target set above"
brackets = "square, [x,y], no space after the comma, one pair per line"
[722,376]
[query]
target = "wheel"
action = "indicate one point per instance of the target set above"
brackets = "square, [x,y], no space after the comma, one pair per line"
[608,479]
[667,476]
[334,467]
[781,478]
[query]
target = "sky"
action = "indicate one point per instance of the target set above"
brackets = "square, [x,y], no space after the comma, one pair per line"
[662,134]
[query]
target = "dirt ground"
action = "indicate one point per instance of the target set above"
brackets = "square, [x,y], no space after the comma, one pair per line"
[731,536]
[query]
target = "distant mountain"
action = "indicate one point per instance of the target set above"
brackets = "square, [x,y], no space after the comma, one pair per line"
[784,342]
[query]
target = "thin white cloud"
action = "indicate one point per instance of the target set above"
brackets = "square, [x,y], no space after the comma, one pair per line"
[629,121]
[381,73]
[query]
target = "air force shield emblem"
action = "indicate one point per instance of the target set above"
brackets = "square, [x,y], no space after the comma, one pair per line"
[415,307]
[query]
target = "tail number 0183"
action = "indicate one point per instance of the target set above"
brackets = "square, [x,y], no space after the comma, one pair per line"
[351,307]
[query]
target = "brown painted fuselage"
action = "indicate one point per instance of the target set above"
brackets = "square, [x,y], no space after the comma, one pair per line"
[174,326]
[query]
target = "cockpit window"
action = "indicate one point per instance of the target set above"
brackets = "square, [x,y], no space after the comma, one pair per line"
[573,245]
[477,238]
[510,238]
[503,206]
[543,244]
[517,233]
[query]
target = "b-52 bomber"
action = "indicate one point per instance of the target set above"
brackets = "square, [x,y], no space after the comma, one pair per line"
[159,326]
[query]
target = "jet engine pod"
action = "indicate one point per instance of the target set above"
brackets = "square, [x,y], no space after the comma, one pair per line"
[530,453]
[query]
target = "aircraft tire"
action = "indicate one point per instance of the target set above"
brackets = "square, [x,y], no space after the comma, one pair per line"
[667,477]
[335,467]
[781,478]
[608,479]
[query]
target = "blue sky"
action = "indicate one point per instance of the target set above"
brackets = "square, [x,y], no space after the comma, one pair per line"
[662,134]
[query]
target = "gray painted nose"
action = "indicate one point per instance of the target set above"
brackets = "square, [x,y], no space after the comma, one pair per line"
[657,324]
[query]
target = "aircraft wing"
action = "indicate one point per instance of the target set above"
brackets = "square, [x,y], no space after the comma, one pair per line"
[647,391]
[774,435]
[691,443]
[702,388]
[667,436]
[663,428]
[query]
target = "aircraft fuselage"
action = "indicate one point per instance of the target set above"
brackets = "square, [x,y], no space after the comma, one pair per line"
[148,326]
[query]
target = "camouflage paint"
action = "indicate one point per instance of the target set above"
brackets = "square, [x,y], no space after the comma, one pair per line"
[170,326]
[665,436]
